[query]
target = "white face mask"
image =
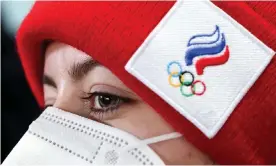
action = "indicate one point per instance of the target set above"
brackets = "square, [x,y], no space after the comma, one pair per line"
[59,137]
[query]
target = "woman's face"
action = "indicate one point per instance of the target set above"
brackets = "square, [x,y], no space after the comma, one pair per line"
[74,82]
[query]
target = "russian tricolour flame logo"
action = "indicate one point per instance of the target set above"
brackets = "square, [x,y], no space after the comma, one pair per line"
[203,50]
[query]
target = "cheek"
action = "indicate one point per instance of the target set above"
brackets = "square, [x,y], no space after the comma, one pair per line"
[140,120]
[179,151]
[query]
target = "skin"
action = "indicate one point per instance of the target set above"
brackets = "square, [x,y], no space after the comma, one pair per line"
[98,94]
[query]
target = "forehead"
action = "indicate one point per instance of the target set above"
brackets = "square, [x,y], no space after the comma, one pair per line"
[60,56]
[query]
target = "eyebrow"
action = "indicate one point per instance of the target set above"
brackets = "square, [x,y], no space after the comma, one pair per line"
[78,70]
[47,80]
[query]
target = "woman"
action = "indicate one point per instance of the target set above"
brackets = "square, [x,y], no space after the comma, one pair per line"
[85,46]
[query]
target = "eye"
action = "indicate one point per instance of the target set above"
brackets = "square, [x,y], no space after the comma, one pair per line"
[105,101]
[103,105]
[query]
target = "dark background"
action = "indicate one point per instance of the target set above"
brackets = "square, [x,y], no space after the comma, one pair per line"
[18,105]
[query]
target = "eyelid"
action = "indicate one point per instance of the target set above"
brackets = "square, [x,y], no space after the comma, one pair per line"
[103,88]
[110,94]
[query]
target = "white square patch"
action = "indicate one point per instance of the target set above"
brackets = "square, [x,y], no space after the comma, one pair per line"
[201,61]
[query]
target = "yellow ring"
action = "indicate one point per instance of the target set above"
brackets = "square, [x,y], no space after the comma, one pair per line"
[170,80]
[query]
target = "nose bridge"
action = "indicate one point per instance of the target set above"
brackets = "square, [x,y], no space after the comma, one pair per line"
[65,99]
[68,99]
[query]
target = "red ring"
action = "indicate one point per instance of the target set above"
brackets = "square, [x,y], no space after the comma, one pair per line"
[193,89]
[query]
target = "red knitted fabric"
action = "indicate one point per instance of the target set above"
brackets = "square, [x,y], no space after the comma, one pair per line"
[265,9]
[112,31]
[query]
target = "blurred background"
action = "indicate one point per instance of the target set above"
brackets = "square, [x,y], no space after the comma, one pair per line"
[18,105]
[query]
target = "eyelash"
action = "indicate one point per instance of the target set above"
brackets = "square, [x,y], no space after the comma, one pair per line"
[103,113]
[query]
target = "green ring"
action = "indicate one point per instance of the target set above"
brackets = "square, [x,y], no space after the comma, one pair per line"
[186,83]
[186,95]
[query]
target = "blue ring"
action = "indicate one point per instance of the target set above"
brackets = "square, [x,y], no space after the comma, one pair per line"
[168,68]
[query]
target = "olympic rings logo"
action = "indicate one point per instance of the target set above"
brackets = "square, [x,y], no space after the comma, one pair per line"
[181,76]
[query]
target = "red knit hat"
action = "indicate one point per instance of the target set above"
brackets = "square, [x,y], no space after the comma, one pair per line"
[111,32]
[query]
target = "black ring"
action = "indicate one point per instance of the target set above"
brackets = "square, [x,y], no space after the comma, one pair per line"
[186,83]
